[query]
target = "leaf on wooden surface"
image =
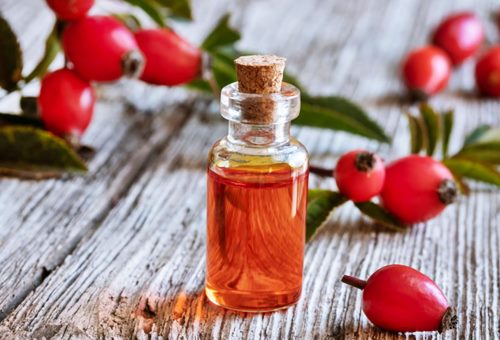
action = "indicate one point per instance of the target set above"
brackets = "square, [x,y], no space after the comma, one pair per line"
[320,204]
[466,168]
[179,9]
[487,152]
[35,153]
[16,119]
[431,124]
[416,134]
[52,48]
[476,134]
[339,113]
[447,119]
[380,215]
[222,35]
[11,60]
[152,9]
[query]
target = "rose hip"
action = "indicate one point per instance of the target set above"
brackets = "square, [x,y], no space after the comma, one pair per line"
[101,48]
[70,9]
[170,60]
[417,188]
[488,72]
[426,71]
[66,102]
[360,175]
[401,299]
[460,35]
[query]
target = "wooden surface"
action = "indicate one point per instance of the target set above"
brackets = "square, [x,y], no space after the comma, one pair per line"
[120,252]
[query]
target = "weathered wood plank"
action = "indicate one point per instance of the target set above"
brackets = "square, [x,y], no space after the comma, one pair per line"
[141,272]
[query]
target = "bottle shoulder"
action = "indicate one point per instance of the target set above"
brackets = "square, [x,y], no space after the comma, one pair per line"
[226,154]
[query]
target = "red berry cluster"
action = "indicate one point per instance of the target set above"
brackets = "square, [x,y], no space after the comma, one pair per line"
[458,37]
[413,189]
[102,49]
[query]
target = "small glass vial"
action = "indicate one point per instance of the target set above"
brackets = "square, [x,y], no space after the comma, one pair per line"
[257,193]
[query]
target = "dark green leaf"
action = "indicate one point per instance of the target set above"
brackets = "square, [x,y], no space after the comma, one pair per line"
[416,134]
[476,134]
[52,48]
[151,8]
[14,119]
[178,8]
[474,170]
[223,70]
[222,35]
[447,126]
[27,151]
[129,20]
[488,152]
[431,124]
[29,106]
[380,215]
[11,60]
[320,204]
[339,113]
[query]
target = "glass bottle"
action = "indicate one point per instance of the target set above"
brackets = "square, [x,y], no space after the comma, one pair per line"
[257,200]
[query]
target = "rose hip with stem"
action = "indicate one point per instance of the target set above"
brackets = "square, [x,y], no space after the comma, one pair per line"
[399,298]
[101,48]
[360,175]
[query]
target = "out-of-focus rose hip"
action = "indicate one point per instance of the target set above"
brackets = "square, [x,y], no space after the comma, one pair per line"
[70,9]
[170,59]
[488,72]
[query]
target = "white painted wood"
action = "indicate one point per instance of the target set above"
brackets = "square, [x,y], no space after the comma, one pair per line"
[124,247]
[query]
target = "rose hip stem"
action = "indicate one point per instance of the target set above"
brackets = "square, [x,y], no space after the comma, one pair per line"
[321,171]
[354,281]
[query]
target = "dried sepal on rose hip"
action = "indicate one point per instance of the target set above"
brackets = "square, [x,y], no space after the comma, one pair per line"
[399,298]
[360,175]
[101,48]
[417,188]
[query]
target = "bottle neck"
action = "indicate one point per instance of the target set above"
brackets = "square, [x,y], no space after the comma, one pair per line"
[258,135]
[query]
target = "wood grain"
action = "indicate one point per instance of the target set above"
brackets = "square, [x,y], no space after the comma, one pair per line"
[123,248]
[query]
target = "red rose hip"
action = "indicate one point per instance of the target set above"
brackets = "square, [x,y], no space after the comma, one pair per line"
[460,35]
[417,188]
[399,298]
[66,102]
[101,48]
[170,60]
[70,9]
[426,71]
[488,72]
[360,175]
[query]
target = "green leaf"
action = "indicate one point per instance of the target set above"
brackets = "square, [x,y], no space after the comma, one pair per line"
[11,60]
[151,8]
[380,215]
[14,119]
[129,20]
[491,135]
[339,113]
[473,170]
[52,48]
[476,134]
[222,35]
[31,152]
[431,124]
[320,204]
[447,126]
[488,152]
[416,134]
[199,85]
[180,9]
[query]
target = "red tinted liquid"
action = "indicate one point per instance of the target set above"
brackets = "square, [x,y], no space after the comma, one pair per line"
[256,235]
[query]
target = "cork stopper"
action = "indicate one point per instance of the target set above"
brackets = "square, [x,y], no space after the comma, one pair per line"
[259,74]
